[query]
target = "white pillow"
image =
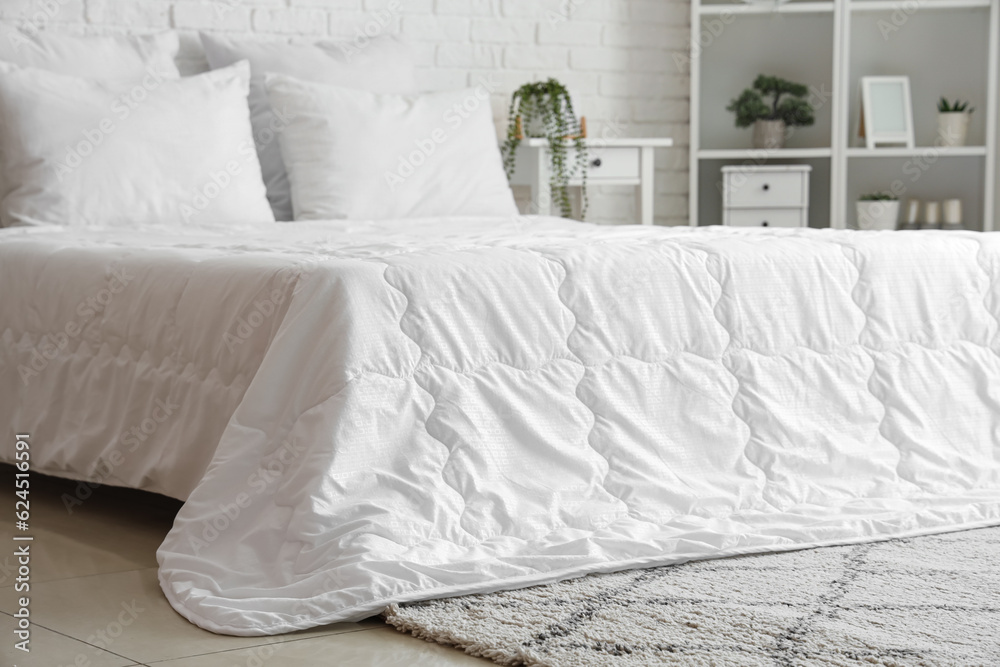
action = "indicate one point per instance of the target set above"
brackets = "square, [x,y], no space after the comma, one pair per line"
[93,56]
[361,155]
[383,65]
[170,151]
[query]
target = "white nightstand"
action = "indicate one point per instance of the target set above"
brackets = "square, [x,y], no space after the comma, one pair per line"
[612,162]
[765,196]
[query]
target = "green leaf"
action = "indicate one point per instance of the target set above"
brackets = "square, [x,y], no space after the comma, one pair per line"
[959,106]
[749,107]
[795,111]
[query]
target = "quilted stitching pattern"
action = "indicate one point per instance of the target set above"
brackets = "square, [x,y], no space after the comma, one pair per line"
[468,406]
[622,398]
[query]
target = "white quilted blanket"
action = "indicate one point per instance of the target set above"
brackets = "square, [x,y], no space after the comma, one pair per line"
[411,410]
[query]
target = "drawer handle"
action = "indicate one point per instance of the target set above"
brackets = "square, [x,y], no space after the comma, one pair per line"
[764,224]
[766,187]
[596,163]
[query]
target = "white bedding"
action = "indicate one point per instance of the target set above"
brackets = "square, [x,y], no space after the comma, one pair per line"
[443,407]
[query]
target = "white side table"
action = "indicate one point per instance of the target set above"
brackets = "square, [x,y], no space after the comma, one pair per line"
[766,196]
[612,162]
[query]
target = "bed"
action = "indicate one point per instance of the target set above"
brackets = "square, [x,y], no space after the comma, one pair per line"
[366,413]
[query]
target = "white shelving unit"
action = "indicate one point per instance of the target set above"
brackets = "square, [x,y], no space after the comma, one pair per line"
[946,47]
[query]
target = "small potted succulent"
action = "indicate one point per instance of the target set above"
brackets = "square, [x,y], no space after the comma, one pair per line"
[953,122]
[878,210]
[771,106]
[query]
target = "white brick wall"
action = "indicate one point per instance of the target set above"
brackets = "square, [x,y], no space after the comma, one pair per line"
[615,55]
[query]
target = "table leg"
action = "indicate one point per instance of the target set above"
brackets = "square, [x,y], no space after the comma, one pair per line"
[647,176]
[541,195]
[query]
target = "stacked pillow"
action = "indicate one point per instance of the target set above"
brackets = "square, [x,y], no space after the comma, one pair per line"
[157,151]
[130,144]
[361,155]
[384,65]
[101,130]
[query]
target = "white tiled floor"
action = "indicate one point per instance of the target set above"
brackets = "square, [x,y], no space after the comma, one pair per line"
[95,601]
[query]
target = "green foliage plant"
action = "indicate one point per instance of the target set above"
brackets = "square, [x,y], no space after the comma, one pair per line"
[957,107]
[547,105]
[773,98]
[878,196]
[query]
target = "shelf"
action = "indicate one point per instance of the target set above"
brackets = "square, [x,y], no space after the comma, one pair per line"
[763,153]
[767,8]
[894,5]
[946,47]
[919,151]
[611,142]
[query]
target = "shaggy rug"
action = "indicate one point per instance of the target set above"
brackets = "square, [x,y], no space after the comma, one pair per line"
[922,601]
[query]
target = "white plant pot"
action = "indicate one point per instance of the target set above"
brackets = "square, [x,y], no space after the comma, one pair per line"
[953,128]
[876,215]
[769,134]
[535,128]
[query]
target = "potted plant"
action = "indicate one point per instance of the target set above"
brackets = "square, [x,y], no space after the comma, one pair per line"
[544,109]
[879,210]
[772,105]
[953,122]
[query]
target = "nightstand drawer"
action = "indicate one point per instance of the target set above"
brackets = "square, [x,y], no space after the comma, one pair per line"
[765,217]
[749,189]
[611,165]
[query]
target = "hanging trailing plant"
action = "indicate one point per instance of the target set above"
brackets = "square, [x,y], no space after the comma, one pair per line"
[544,109]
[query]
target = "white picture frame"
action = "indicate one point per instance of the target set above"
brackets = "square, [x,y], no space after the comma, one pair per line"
[887,111]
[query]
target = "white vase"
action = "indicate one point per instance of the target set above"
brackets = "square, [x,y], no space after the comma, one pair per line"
[769,134]
[952,211]
[953,127]
[876,215]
